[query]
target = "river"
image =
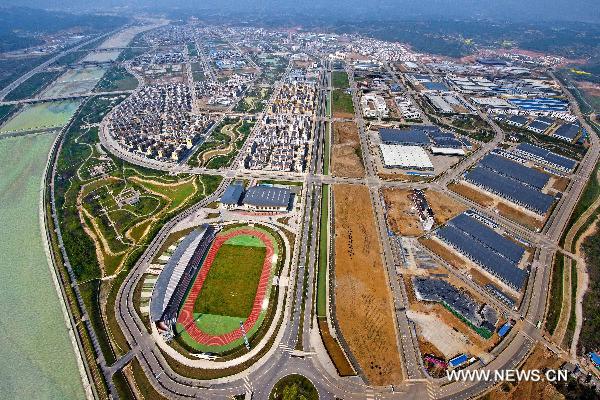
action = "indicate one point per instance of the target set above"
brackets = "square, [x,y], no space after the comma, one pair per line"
[37,360]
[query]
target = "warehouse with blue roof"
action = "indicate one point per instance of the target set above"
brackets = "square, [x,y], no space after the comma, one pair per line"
[510,189]
[515,170]
[495,254]
[406,137]
[545,157]
[567,132]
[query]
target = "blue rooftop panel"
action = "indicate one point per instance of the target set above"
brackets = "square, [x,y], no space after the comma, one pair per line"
[510,189]
[232,194]
[515,170]
[413,136]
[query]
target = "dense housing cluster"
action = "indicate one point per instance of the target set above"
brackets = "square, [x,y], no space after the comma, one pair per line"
[157,122]
[226,93]
[282,143]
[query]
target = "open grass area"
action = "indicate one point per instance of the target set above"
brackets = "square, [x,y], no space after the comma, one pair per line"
[41,116]
[294,387]
[5,111]
[588,197]
[572,315]
[339,80]
[556,293]
[342,105]
[230,286]
[589,340]
[32,86]
[117,78]
[221,147]
[323,253]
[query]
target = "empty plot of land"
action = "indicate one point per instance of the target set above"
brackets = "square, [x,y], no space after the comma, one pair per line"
[346,157]
[122,38]
[443,337]
[403,218]
[102,56]
[362,295]
[472,194]
[41,116]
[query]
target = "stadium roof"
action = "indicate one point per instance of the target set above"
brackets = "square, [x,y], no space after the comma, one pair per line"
[233,194]
[267,196]
[172,272]
[405,157]
[412,136]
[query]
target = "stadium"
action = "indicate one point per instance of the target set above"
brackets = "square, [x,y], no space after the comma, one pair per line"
[215,291]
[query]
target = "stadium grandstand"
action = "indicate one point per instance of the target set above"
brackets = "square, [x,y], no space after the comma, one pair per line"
[493,252]
[177,275]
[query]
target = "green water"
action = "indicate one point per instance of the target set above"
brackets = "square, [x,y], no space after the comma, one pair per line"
[37,360]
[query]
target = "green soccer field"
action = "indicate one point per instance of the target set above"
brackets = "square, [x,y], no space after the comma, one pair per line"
[230,287]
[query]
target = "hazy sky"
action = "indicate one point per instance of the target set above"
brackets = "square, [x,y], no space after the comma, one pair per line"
[517,10]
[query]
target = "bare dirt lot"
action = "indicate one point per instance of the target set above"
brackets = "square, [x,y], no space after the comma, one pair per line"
[472,194]
[363,298]
[444,208]
[346,157]
[400,217]
[403,220]
[445,253]
[519,216]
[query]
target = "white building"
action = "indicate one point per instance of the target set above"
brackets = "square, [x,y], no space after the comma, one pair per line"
[406,157]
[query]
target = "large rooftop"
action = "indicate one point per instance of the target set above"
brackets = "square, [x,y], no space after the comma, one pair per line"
[267,196]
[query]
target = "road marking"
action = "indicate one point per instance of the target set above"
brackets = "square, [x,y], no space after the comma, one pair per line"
[248,385]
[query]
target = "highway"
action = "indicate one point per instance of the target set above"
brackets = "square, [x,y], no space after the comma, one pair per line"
[47,63]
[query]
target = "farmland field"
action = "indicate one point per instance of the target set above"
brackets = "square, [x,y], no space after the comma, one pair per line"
[74,82]
[40,116]
[362,297]
[102,56]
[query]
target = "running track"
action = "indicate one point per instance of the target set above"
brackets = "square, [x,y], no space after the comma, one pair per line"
[186,316]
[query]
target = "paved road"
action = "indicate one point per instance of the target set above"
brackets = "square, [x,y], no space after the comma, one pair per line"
[46,64]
